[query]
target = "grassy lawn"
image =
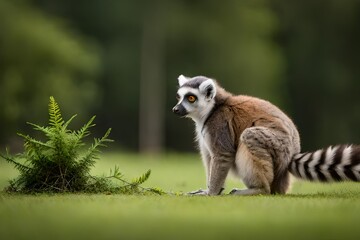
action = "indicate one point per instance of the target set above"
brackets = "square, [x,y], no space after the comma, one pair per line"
[310,211]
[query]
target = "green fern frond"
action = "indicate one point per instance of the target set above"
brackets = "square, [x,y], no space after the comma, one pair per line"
[68,122]
[33,141]
[55,118]
[20,167]
[84,131]
[105,138]
[116,173]
[156,190]
[45,130]
[142,178]
[89,159]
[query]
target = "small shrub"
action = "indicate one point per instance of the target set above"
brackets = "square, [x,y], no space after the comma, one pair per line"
[60,164]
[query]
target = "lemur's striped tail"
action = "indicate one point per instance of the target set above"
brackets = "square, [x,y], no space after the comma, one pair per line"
[338,163]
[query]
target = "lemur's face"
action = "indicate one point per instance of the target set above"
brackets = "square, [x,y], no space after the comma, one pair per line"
[195,97]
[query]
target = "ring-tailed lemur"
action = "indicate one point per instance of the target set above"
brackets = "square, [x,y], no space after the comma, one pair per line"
[255,140]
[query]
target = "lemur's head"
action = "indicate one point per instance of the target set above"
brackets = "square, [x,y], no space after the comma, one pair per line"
[195,97]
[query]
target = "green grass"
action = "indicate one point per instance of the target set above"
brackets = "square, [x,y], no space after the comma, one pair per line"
[310,211]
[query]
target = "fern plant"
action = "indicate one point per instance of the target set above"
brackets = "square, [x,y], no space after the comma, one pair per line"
[60,164]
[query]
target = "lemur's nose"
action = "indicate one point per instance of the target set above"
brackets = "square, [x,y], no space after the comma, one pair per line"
[176,109]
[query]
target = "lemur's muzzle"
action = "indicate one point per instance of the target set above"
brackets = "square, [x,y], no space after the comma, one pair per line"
[179,110]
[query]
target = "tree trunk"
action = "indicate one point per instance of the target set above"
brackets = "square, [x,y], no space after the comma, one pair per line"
[152,84]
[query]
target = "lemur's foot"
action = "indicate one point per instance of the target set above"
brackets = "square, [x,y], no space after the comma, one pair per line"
[198,192]
[248,192]
[204,192]
[234,191]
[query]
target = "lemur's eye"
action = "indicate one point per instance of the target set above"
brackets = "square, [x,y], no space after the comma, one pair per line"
[191,98]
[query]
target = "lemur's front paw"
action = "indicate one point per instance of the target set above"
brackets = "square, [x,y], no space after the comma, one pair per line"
[199,192]
[205,192]
[234,191]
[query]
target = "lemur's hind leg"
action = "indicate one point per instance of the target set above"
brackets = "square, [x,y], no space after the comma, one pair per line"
[255,169]
[259,161]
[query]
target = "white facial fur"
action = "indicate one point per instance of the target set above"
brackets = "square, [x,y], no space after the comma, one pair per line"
[200,109]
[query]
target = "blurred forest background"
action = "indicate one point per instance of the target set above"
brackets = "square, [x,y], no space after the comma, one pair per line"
[120,59]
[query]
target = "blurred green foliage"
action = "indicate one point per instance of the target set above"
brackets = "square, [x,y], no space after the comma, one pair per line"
[320,42]
[40,57]
[91,56]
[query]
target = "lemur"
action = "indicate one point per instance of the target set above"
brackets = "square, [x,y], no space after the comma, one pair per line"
[255,140]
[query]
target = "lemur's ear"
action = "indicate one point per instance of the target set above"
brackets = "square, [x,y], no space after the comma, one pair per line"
[182,79]
[208,88]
